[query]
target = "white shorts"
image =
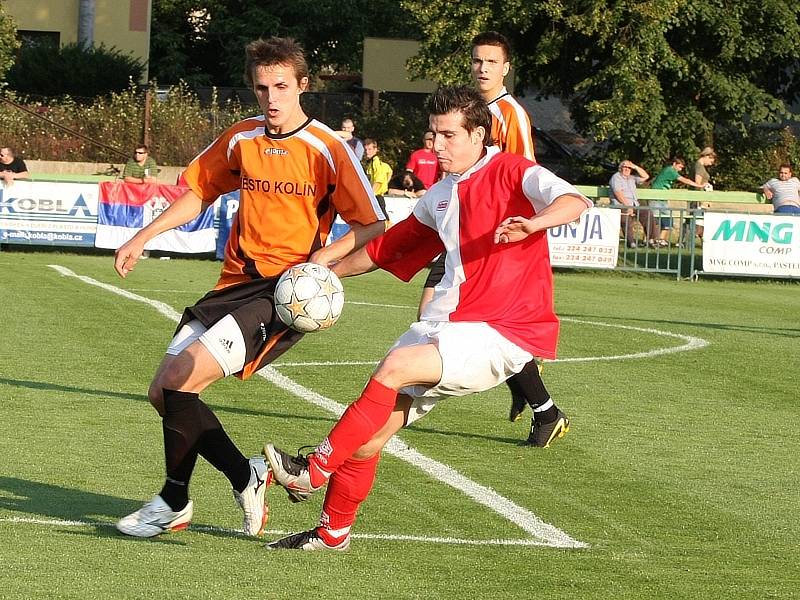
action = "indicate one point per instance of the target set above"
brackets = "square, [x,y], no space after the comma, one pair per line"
[224,341]
[475,358]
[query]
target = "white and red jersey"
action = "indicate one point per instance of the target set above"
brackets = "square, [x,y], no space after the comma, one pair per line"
[508,286]
[511,125]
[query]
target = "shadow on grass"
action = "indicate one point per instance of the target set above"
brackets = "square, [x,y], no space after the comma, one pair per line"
[784,332]
[463,435]
[55,387]
[45,502]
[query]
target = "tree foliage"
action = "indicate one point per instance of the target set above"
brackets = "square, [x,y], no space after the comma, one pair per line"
[650,78]
[74,70]
[8,42]
[202,41]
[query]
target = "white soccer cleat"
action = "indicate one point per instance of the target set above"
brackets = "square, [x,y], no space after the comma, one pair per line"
[252,499]
[154,518]
[290,472]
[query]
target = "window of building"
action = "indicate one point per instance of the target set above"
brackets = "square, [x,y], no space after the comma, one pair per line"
[36,38]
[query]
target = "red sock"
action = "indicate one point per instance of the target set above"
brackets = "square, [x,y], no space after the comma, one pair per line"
[362,419]
[347,489]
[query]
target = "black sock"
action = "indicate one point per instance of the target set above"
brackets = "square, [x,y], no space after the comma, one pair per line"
[529,383]
[191,428]
[546,416]
[181,432]
[218,449]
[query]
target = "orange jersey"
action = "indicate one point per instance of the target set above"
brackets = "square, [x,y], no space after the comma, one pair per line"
[511,126]
[291,187]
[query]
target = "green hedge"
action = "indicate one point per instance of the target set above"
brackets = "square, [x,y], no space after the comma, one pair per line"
[180,126]
[72,69]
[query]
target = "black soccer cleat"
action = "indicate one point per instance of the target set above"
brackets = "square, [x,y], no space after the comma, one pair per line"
[542,434]
[308,541]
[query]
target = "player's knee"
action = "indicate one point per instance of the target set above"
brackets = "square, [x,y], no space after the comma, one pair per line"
[370,449]
[176,376]
[392,370]
[156,397]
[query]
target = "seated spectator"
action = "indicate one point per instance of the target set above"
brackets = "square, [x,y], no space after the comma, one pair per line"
[347,133]
[378,172]
[622,192]
[663,181]
[11,166]
[783,192]
[406,184]
[423,162]
[141,168]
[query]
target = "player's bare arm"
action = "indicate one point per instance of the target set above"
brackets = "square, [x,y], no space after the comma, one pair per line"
[564,209]
[354,239]
[180,212]
[356,263]
[689,182]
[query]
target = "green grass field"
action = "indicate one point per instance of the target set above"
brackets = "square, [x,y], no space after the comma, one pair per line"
[680,473]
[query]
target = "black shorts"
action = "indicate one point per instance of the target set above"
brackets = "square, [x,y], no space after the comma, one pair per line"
[437,272]
[251,304]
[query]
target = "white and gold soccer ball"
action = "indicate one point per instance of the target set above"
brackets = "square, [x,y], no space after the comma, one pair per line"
[309,297]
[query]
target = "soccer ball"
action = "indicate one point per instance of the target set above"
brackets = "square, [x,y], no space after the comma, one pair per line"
[309,297]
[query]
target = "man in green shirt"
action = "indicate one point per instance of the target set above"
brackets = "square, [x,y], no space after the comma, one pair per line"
[141,168]
[663,181]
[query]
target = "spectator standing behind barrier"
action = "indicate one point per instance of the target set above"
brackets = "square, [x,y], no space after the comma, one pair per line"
[423,163]
[663,181]
[378,172]
[406,184]
[141,168]
[347,133]
[784,192]
[702,178]
[11,166]
[622,191]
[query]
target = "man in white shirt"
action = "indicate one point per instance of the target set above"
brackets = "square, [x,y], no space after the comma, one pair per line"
[783,192]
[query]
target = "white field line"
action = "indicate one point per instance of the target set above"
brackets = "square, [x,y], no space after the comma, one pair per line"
[690,343]
[277,532]
[523,518]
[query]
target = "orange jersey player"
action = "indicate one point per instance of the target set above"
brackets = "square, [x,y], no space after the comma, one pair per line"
[511,126]
[294,176]
[291,187]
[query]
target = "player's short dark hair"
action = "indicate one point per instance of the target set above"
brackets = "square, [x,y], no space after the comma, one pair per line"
[274,51]
[370,141]
[466,100]
[494,38]
[785,166]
